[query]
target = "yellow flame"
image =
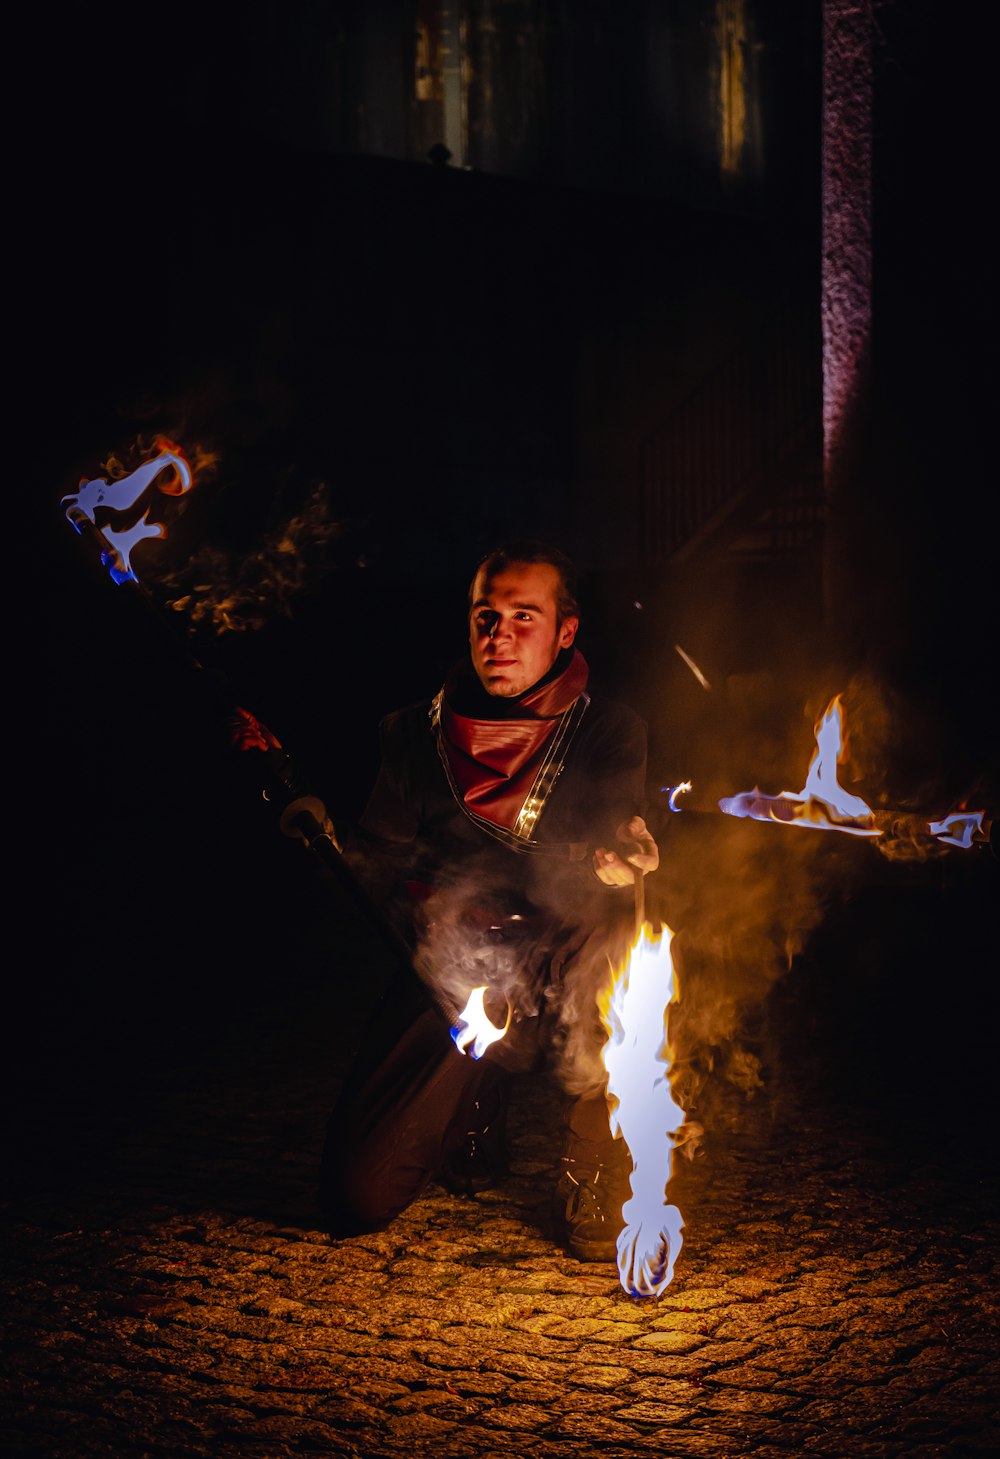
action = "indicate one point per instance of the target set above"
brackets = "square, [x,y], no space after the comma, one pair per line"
[644,1112]
[475,1026]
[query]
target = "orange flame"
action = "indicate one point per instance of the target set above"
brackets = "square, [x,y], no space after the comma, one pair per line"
[645,1114]
[183,478]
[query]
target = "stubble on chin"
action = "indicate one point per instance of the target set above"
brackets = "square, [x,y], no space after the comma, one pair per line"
[501,688]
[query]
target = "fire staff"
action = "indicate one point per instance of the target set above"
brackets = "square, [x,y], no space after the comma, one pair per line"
[505,828]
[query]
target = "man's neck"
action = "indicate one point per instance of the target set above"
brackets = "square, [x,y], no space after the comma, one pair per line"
[475,701]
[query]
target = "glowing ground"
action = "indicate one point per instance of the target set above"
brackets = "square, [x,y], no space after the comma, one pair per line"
[168,1290]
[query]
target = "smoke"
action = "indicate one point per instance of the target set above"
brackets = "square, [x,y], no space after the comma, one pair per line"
[470,939]
[230,593]
[580,1036]
[746,900]
[544,952]
[900,750]
[247,542]
[202,460]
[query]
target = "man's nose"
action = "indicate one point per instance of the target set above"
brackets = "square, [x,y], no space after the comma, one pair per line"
[498,630]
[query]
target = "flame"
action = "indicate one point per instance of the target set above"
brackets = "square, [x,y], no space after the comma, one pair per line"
[116,557]
[673,791]
[184,477]
[121,493]
[958,829]
[821,782]
[475,1026]
[823,803]
[637,1057]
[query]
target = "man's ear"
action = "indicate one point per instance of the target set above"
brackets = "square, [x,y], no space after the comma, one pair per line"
[567,631]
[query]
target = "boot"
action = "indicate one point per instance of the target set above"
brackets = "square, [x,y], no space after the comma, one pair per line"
[594,1183]
[589,1200]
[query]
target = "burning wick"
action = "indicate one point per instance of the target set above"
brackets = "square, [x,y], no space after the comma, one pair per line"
[645,1113]
[475,1026]
[120,496]
[693,667]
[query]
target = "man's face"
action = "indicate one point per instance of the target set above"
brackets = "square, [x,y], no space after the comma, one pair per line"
[519,604]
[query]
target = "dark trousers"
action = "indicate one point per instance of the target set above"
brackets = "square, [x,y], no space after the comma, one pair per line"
[406,1109]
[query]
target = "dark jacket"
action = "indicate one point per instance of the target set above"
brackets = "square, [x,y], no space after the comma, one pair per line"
[475,909]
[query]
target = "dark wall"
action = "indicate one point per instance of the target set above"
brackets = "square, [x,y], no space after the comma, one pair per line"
[915,537]
[707,102]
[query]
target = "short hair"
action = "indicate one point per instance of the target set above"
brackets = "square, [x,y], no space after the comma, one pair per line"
[530,550]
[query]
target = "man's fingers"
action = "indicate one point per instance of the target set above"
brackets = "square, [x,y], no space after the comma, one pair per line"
[646,855]
[638,852]
[248,733]
[610,868]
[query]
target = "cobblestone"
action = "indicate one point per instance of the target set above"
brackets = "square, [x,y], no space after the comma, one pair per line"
[172,1293]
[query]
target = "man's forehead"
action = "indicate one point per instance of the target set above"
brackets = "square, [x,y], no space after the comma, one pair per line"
[535,583]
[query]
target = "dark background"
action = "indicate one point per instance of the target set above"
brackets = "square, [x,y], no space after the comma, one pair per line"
[215,254]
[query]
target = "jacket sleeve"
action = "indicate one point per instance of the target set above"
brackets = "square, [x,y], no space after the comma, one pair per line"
[614,775]
[384,848]
[390,817]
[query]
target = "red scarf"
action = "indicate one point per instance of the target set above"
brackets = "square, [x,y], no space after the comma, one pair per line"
[494,762]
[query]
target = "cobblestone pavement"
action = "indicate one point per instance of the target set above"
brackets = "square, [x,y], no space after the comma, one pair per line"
[170,1291]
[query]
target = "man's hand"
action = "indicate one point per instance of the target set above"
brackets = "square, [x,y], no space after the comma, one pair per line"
[636,851]
[247,733]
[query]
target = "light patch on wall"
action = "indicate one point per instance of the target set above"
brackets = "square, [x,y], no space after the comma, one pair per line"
[428,82]
[731,37]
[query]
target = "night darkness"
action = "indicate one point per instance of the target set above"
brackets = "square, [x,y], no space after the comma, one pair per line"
[211,258]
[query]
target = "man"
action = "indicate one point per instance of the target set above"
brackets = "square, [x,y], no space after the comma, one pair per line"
[506,823]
